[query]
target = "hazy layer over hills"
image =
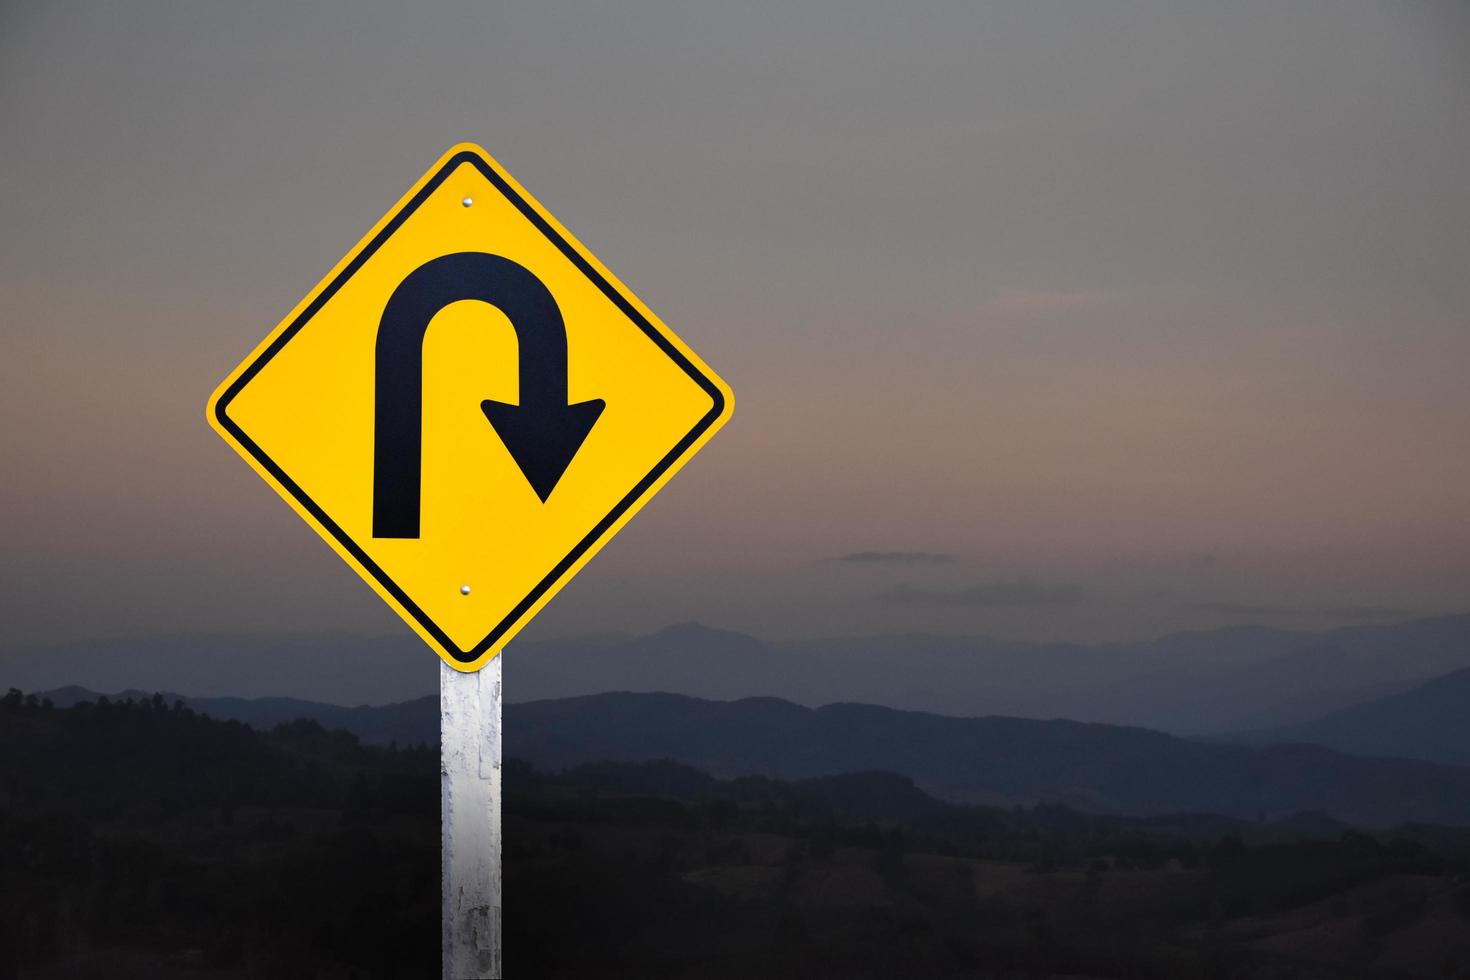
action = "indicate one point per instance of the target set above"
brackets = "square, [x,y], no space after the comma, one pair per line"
[1246,678]
[1250,678]
[337,668]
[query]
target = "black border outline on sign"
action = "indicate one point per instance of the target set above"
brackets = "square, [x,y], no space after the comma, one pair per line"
[578,260]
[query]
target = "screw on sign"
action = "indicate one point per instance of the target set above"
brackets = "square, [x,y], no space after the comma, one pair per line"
[466,409]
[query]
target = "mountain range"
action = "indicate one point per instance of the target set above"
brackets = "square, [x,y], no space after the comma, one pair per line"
[1230,680]
[1100,768]
[993,760]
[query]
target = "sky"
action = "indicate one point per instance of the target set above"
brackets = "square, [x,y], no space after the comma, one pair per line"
[1053,321]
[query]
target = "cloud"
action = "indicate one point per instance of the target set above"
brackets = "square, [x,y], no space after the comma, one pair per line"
[1012,593]
[908,557]
[1267,611]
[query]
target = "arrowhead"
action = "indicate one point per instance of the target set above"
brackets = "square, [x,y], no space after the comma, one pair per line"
[543,440]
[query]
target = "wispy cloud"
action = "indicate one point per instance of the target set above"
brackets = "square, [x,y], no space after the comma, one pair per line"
[1268,611]
[1011,593]
[897,557]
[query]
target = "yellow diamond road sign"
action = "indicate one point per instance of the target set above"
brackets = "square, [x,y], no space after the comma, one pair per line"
[468,406]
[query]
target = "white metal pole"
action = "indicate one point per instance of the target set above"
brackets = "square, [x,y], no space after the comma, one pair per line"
[469,740]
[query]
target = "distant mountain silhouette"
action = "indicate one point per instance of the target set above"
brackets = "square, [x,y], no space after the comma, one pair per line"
[988,760]
[1242,679]
[1431,721]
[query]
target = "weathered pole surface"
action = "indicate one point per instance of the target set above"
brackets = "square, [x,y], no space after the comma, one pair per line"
[469,728]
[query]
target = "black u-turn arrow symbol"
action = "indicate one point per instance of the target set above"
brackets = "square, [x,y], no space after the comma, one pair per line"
[543,433]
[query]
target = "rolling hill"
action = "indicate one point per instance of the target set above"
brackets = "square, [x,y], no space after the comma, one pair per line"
[989,760]
[1431,722]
